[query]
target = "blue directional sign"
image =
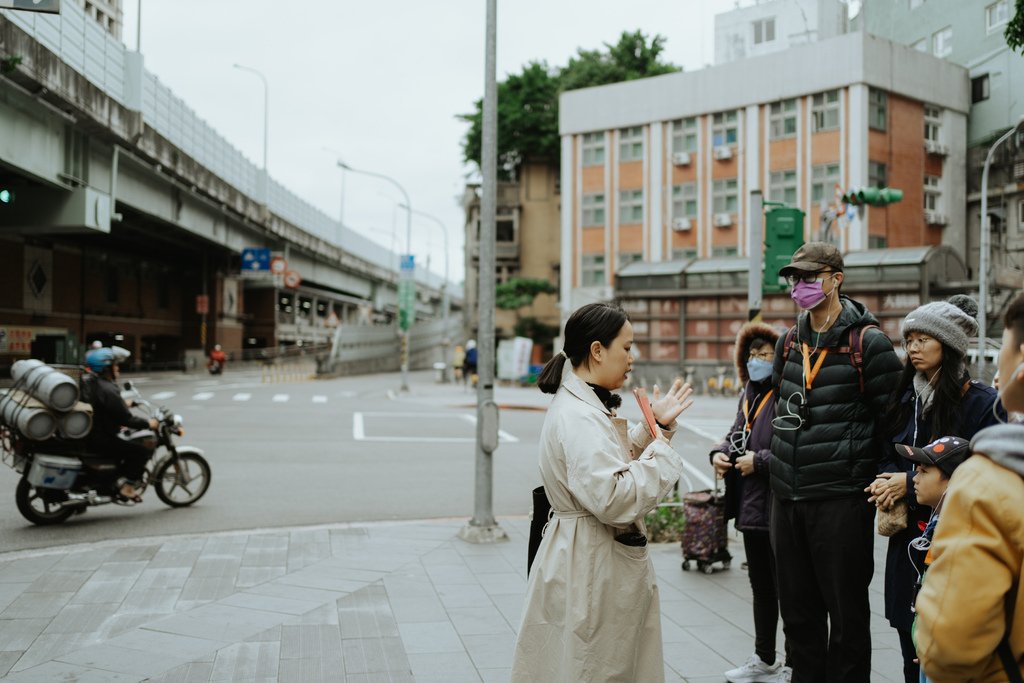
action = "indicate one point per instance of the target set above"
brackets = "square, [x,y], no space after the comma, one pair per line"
[256,259]
[408,262]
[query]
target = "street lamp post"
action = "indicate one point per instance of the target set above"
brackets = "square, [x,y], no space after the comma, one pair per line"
[408,250]
[445,293]
[341,206]
[984,249]
[266,128]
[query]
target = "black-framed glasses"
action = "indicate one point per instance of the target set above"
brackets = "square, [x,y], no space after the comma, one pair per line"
[806,278]
[762,355]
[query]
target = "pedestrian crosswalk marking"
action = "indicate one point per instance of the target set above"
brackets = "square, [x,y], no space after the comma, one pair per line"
[163,395]
[359,428]
[241,397]
[281,398]
[319,399]
[203,396]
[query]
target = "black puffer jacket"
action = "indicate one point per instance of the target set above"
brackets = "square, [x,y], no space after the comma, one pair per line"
[836,452]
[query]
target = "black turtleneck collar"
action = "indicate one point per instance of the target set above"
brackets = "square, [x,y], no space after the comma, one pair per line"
[611,401]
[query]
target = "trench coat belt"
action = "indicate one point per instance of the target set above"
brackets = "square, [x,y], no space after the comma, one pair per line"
[571,514]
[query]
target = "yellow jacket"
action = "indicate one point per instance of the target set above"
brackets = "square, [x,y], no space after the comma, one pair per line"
[978,553]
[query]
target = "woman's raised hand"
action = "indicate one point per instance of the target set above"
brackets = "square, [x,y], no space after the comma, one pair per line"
[670,406]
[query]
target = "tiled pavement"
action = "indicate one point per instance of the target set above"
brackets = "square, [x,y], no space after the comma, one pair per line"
[368,602]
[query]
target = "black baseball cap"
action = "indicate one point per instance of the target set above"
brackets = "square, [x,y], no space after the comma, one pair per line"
[946,453]
[814,257]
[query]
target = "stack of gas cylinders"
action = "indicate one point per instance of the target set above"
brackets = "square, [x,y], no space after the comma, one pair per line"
[44,402]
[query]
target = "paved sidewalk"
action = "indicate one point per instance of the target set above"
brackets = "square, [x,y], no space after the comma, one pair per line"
[355,602]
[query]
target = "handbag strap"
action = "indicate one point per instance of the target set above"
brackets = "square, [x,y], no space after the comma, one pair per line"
[1009,663]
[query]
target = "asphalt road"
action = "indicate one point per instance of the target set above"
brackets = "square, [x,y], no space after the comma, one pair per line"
[328,451]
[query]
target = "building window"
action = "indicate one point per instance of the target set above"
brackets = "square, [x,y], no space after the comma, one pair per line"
[684,135]
[627,257]
[824,178]
[631,144]
[877,242]
[877,174]
[782,187]
[921,45]
[593,149]
[825,111]
[997,15]
[683,254]
[942,42]
[979,89]
[932,122]
[725,196]
[932,194]
[593,210]
[723,128]
[112,282]
[631,206]
[764,30]
[718,252]
[782,120]
[878,106]
[592,272]
[684,200]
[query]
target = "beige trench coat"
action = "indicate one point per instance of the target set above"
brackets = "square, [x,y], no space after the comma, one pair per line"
[592,611]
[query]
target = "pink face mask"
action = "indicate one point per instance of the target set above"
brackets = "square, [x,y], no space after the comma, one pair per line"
[807,296]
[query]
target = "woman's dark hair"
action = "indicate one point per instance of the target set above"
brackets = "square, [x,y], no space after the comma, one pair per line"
[1013,319]
[759,342]
[945,411]
[587,324]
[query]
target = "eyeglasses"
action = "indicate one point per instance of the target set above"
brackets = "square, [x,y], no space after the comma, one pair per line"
[762,355]
[806,278]
[918,343]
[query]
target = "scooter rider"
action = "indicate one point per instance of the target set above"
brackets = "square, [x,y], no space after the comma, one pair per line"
[110,414]
[217,358]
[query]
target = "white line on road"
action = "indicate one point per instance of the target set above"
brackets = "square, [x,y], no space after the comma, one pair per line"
[203,396]
[502,434]
[241,397]
[359,431]
[163,395]
[319,399]
[281,398]
[703,478]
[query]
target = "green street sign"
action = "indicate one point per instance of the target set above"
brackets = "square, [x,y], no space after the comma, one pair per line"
[406,303]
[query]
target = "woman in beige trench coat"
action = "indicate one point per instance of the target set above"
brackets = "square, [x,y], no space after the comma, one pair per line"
[591,610]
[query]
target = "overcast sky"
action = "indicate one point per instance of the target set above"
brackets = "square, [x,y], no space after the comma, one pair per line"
[380,82]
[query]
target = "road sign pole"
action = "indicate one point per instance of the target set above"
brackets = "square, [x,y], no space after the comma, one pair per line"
[755,253]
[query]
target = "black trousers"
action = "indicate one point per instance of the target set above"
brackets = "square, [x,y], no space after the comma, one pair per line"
[911,671]
[763,586]
[132,456]
[823,552]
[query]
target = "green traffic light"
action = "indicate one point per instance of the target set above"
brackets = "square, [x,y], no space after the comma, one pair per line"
[6,196]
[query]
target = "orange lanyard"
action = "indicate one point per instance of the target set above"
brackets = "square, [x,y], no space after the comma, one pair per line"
[750,420]
[811,373]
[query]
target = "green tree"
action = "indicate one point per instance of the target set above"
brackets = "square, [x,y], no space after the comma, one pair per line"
[518,293]
[1015,29]
[528,101]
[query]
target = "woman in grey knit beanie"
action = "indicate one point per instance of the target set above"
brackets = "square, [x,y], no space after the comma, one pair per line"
[935,397]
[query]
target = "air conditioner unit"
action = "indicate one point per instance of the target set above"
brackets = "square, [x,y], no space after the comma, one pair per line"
[935,218]
[681,224]
[723,152]
[933,147]
[681,159]
[723,220]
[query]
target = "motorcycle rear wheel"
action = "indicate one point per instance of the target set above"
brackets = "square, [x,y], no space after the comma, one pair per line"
[190,474]
[36,509]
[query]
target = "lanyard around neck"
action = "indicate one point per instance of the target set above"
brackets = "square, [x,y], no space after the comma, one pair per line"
[750,420]
[811,373]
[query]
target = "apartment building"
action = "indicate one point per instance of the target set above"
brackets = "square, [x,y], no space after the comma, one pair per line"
[757,28]
[662,168]
[107,13]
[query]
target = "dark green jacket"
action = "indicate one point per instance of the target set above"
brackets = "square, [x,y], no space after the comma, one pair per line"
[835,453]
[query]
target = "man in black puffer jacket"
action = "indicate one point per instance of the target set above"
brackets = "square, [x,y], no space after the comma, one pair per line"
[834,381]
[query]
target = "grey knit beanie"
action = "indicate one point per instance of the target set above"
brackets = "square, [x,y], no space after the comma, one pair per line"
[951,322]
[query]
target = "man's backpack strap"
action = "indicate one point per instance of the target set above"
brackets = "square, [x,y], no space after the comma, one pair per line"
[856,351]
[788,346]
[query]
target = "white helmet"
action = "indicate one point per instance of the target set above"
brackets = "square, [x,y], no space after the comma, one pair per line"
[120,354]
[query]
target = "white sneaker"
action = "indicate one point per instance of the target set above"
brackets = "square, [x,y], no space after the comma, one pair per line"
[785,675]
[755,671]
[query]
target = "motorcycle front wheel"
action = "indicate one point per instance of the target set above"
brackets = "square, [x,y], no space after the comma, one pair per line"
[39,505]
[183,480]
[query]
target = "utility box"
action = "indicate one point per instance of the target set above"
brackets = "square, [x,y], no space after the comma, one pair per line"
[783,235]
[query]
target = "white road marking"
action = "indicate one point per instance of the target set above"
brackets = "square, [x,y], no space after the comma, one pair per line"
[319,399]
[203,396]
[162,395]
[704,479]
[346,394]
[281,398]
[241,397]
[359,430]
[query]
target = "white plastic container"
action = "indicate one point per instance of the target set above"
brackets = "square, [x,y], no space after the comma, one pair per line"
[54,472]
[52,387]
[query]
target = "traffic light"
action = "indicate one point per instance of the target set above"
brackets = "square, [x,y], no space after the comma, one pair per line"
[873,196]
[783,235]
